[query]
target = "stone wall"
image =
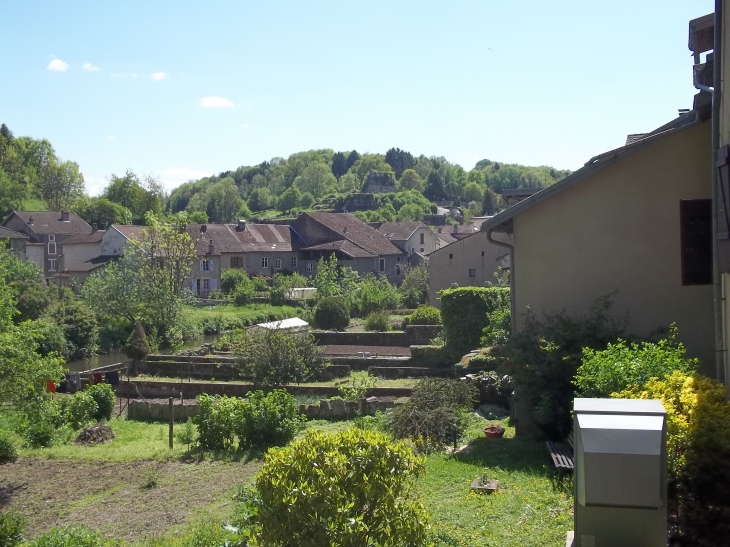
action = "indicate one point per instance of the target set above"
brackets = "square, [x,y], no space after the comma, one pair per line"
[220,368]
[409,372]
[190,390]
[414,335]
[159,409]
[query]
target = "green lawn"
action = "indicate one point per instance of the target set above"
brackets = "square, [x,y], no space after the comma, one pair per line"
[531,508]
[249,311]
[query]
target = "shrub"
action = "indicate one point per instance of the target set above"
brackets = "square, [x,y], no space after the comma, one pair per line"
[424,315]
[231,278]
[359,482]
[415,285]
[49,337]
[104,396]
[431,356]
[698,447]
[268,420]
[11,529]
[499,328]
[274,358]
[82,409]
[466,311]
[282,283]
[357,386]
[375,294]
[186,435]
[8,452]
[243,293]
[331,313]
[544,356]
[79,325]
[216,425]
[71,536]
[377,321]
[624,364]
[437,411]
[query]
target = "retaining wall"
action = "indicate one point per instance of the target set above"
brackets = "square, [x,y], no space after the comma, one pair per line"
[202,370]
[159,410]
[414,335]
[190,390]
[409,372]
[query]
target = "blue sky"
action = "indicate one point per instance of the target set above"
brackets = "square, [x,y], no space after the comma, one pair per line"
[184,89]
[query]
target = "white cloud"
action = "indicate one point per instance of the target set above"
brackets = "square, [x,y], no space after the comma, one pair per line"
[175,176]
[216,102]
[88,67]
[57,65]
[159,76]
[109,137]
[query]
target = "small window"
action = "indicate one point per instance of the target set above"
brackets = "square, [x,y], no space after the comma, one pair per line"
[294,262]
[264,261]
[696,241]
[482,253]
[51,248]
[397,259]
[472,273]
[277,264]
[206,265]
[236,262]
[397,269]
[451,256]
[422,249]
[52,265]
[422,238]
[310,266]
[382,264]
[206,284]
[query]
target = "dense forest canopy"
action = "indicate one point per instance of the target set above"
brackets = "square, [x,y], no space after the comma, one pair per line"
[32,177]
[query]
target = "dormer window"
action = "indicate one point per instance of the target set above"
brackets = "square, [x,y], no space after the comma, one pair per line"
[51,244]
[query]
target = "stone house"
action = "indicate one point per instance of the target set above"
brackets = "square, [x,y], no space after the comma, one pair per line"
[49,229]
[353,242]
[16,242]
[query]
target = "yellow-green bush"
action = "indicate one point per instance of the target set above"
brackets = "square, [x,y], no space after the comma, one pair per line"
[347,489]
[698,445]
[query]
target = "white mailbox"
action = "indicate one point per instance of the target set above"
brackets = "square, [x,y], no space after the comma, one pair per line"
[620,473]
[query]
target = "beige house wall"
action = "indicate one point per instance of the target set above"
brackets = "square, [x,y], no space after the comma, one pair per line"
[453,263]
[619,231]
[430,242]
[78,253]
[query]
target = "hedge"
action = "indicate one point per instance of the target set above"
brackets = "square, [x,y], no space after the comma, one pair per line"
[430,356]
[465,312]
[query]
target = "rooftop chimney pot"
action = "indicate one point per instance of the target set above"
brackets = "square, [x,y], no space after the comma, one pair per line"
[64,216]
[241,225]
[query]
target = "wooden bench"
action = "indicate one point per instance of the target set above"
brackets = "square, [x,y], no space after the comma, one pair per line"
[562,454]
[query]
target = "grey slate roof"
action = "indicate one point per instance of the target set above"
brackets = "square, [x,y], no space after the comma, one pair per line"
[399,231]
[6,233]
[49,222]
[317,229]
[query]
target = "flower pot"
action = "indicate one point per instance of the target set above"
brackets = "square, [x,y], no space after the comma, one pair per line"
[484,486]
[494,431]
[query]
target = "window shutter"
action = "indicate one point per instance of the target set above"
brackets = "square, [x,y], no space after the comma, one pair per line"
[201,265]
[696,241]
[210,265]
[193,287]
[213,284]
[723,192]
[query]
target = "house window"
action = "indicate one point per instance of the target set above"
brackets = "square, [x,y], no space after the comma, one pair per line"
[264,261]
[422,240]
[277,264]
[310,266]
[206,265]
[397,259]
[696,240]
[422,249]
[52,265]
[236,262]
[382,264]
[451,256]
[482,253]
[51,244]
[206,284]
[472,273]
[397,269]
[294,262]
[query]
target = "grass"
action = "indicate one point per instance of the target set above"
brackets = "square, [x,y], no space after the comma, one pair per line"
[105,486]
[250,311]
[382,382]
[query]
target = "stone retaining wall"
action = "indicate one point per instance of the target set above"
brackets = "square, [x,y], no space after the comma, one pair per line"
[414,335]
[409,372]
[220,371]
[159,410]
[190,390]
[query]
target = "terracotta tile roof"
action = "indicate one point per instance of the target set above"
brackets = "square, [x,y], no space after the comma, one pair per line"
[6,233]
[49,222]
[318,228]
[93,237]
[399,231]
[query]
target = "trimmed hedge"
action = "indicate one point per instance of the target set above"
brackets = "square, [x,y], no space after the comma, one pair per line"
[430,356]
[465,312]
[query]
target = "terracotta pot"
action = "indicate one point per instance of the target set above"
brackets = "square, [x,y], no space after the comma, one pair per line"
[493,432]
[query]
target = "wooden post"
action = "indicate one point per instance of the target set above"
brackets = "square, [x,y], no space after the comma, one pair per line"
[172,420]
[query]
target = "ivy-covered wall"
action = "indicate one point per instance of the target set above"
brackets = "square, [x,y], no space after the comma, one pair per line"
[465,312]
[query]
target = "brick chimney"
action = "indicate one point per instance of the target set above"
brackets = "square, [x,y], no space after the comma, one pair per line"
[241,225]
[64,216]
[211,249]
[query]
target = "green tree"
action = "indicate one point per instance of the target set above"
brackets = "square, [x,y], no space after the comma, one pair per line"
[474,192]
[349,183]
[260,199]
[339,164]
[317,179]
[325,280]
[492,202]
[410,213]
[415,285]
[224,201]
[362,166]
[101,210]
[411,180]
[60,184]
[399,160]
[289,199]
[307,200]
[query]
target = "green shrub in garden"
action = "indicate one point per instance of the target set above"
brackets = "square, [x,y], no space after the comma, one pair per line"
[351,488]
[11,529]
[624,364]
[104,396]
[82,410]
[267,420]
[8,452]
[424,315]
[216,421]
[378,321]
[331,314]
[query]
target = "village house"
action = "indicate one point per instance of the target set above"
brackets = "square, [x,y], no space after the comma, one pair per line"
[413,238]
[633,223]
[353,242]
[47,231]
[16,242]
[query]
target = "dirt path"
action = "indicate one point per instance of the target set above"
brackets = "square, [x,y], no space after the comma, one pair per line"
[110,497]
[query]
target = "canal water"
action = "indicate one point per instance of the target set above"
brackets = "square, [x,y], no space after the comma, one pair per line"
[120,357]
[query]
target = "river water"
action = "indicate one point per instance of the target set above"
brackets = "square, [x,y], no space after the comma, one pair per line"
[120,357]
